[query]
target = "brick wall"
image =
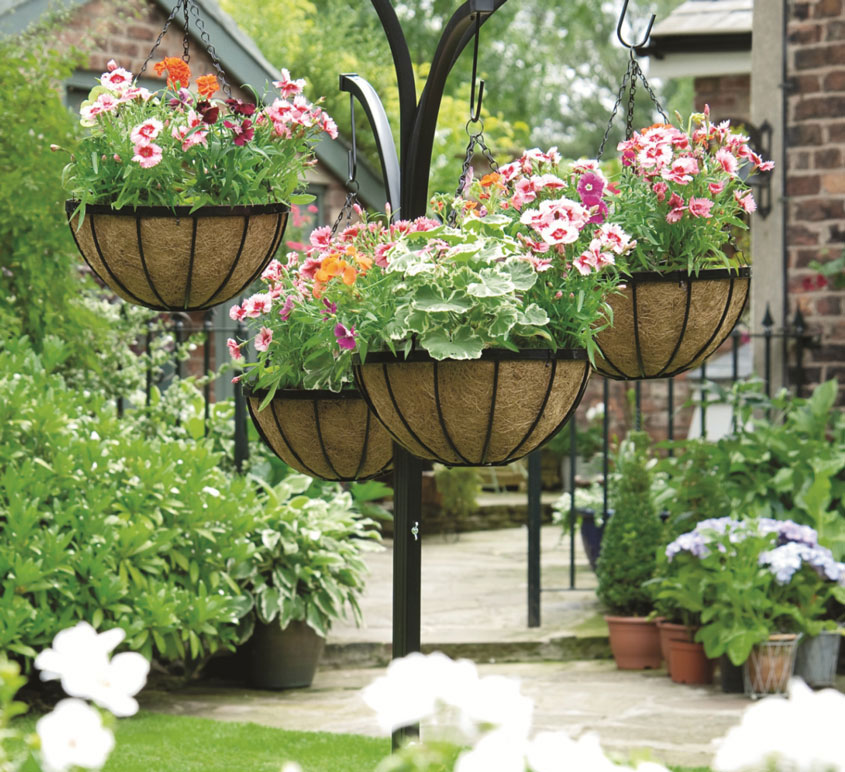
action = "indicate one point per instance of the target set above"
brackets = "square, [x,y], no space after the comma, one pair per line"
[816,177]
[729,96]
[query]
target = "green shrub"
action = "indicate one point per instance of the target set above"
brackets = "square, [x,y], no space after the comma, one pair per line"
[459,488]
[99,523]
[634,532]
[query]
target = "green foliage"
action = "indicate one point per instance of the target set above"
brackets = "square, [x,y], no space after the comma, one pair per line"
[233,159]
[14,754]
[459,488]
[833,270]
[693,488]
[99,523]
[633,534]
[785,459]
[307,560]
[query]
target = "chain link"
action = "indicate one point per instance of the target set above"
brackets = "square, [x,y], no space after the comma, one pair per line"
[476,140]
[629,84]
[161,36]
[186,40]
[221,78]
[347,208]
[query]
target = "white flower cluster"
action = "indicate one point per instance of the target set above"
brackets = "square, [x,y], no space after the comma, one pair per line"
[489,715]
[73,735]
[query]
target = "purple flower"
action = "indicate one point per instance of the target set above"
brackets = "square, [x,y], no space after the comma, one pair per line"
[285,310]
[692,542]
[345,336]
[331,308]
[590,188]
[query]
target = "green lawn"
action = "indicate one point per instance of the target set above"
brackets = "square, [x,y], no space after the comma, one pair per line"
[152,742]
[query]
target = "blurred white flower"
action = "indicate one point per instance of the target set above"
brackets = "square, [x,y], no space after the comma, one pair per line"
[496,701]
[799,734]
[211,491]
[73,735]
[558,752]
[595,412]
[498,750]
[291,766]
[80,658]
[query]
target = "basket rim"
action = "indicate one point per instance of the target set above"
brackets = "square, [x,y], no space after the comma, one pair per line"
[487,355]
[303,394]
[179,211]
[707,274]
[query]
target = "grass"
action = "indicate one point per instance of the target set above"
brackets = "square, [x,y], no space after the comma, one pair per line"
[152,742]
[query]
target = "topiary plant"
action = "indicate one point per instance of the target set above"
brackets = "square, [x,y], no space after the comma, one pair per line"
[634,533]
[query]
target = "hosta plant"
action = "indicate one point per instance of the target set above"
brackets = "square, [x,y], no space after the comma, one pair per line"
[181,146]
[683,195]
[308,560]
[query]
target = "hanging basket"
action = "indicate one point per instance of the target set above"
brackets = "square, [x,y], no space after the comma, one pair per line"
[487,411]
[665,324]
[325,434]
[174,259]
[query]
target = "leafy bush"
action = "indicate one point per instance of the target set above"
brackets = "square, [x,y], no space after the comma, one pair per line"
[307,560]
[632,536]
[98,523]
[459,488]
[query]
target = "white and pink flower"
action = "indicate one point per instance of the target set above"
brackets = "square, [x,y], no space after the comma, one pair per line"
[147,155]
[263,339]
[146,131]
[288,86]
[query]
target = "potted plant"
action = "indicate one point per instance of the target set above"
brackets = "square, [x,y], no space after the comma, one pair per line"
[474,341]
[300,388]
[305,572]
[628,556]
[682,197]
[756,585]
[589,514]
[180,199]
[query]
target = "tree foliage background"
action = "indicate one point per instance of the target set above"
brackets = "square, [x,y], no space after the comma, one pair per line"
[552,70]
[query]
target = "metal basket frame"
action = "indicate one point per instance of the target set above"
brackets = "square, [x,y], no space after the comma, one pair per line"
[488,355]
[682,278]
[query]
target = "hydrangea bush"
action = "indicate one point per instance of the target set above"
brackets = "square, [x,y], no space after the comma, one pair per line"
[743,580]
[183,146]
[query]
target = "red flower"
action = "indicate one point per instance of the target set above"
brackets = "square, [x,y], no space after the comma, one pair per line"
[243,131]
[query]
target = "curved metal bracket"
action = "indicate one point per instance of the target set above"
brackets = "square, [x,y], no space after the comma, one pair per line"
[622,40]
[361,89]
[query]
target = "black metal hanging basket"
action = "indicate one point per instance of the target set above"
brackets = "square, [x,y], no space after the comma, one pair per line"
[665,324]
[174,259]
[325,434]
[487,411]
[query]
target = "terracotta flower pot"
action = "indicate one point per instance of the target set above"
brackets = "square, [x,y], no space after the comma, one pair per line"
[477,412]
[671,631]
[635,642]
[283,659]
[325,434]
[178,260]
[770,665]
[665,324]
[689,663]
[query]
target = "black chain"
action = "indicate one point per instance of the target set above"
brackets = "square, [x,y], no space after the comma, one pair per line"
[476,140]
[161,36]
[221,78]
[186,39]
[629,84]
[347,208]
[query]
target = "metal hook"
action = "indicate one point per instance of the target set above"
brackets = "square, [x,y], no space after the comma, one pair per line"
[352,156]
[619,29]
[475,106]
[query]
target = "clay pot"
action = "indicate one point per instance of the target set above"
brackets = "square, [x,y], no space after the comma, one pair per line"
[665,324]
[689,663]
[175,259]
[477,412]
[635,642]
[671,631]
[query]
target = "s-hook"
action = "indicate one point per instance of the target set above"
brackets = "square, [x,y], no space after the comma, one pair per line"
[475,107]
[622,40]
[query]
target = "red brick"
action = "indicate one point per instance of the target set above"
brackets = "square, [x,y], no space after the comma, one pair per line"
[834,182]
[835,30]
[806,33]
[829,304]
[820,107]
[798,235]
[798,161]
[801,258]
[819,56]
[805,134]
[141,32]
[828,158]
[835,81]
[804,185]
[805,84]
[801,11]
[836,132]
[827,8]
[818,209]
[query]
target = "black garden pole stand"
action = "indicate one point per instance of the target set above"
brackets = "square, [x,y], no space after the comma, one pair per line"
[406,177]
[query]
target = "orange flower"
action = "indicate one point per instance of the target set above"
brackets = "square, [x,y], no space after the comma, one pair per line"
[207,85]
[349,274]
[329,267]
[178,71]
[490,179]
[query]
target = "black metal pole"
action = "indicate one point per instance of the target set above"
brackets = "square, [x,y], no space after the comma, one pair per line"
[207,323]
[799,326]
[704,400]
[572,463]
[768,328]
[534,521]
[241,438]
